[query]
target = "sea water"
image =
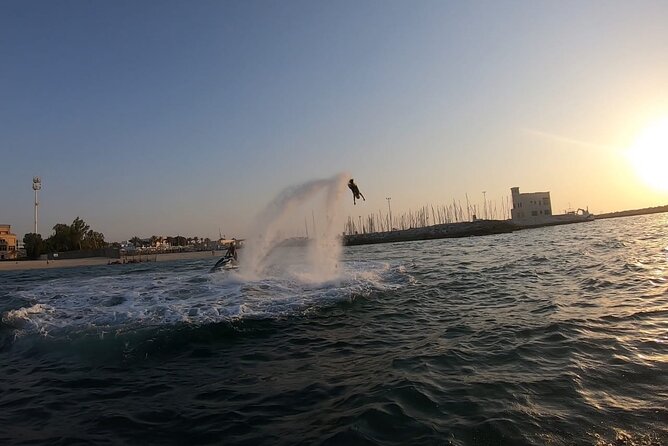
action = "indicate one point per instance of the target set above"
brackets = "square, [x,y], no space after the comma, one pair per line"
[550,336]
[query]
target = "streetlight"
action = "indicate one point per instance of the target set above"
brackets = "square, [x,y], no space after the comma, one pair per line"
[389,210]
[36,185]
[484,198]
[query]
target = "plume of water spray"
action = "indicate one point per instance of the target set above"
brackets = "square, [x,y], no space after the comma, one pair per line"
[323,252]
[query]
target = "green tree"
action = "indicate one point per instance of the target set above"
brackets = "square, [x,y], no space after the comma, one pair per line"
[136,242]
[60,240]
[78,230]
[78,235]
[93,240]
[33,244]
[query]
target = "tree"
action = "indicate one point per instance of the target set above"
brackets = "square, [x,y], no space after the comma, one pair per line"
[60,240]
[93,240]
[33,244]
[136,242]
[78,235]
[78,231]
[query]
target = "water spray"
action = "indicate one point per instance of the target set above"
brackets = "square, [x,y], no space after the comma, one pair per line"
[324,249]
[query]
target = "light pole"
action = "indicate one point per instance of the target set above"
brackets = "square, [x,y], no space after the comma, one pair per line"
[389,210]
[36,185]
[315,233]
[484,199]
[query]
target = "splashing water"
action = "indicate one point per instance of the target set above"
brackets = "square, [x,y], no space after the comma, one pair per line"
[273,280]
[324,250]
[169,295]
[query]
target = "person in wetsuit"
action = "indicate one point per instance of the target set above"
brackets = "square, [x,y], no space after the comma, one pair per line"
[232,250]
[355,190]
[230,255]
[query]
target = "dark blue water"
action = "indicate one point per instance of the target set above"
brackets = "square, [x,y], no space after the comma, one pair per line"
[552,336]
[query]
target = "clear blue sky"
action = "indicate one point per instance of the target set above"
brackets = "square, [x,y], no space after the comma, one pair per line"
[181,117]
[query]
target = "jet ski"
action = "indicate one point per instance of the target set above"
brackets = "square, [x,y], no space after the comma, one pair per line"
[225,263]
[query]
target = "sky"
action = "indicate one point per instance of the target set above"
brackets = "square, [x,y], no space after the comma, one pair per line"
[187,118]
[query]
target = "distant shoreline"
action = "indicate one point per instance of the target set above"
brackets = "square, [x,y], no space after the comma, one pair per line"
[488,227]
[633,212]
[447,230]
[19,265]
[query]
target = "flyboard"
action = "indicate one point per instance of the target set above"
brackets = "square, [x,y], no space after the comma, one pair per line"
[225,263]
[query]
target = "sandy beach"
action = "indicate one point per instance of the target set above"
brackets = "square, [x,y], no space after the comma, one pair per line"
[91,261]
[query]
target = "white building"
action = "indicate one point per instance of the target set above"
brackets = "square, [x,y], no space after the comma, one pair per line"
[530,207]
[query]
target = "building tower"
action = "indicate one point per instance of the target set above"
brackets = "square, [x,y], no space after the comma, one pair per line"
[530,206]
[36,185]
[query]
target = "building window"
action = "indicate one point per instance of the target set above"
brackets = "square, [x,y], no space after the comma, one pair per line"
[534,213]
[547,212]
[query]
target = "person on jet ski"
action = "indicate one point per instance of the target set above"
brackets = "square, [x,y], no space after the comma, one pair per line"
[232,250]
[229,259]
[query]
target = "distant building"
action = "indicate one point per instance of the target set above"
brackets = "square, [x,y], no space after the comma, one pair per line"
[530,206]
[8,245]
[535,209]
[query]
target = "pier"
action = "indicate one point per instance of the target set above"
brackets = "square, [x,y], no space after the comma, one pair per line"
[462,229]
[448,230]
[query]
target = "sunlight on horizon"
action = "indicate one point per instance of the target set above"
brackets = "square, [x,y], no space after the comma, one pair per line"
[649,155]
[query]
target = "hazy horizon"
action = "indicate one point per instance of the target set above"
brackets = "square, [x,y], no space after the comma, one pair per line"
[180,118]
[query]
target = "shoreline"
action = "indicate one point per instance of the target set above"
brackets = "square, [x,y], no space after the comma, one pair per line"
[448,230]
[21,265]
[475,228]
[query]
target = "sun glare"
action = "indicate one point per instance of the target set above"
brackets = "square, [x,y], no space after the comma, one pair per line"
[649,155]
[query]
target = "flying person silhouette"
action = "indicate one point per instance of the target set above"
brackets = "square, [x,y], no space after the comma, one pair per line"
[355,190]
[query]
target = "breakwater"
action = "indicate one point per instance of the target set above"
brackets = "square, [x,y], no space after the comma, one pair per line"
[633,212]
[448,230]
[462,229]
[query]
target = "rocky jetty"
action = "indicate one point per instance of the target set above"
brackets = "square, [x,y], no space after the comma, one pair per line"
[449,230]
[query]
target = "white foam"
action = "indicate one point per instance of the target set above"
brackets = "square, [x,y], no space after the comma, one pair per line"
[126,302]
[20,317]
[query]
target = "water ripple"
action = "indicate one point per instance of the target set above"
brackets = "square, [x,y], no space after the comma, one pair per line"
[552,336]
